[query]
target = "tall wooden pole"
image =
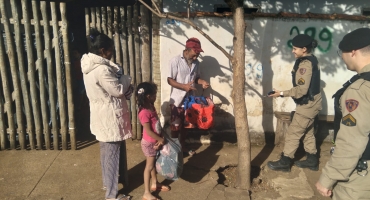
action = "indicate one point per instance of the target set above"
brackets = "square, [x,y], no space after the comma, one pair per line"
[68,74]
[41,73]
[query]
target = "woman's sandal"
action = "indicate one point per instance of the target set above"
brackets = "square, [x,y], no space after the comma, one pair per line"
[160,187]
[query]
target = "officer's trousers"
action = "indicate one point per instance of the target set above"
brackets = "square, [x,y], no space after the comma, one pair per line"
[301,126]
[357,187]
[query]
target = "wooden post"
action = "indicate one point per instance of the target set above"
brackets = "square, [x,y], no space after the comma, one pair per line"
[55,128]
[156,68]
[98,19]
[23,78]
[104,20]
[123,39]
[135,25]
[31,77]
[110,28]
[145,43]
[132,70]
[109,22]
[41,73]
[8,100]
[59,75]
[13,68]
[67,64]
[93,18]
[116,37]
[87,27]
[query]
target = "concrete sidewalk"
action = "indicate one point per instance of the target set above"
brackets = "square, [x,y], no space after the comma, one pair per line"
[69,175]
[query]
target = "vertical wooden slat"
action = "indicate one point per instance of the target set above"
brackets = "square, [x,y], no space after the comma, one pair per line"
[7,97]
[59,76]
[110,28]
[123,39]
[104,20]
[132,70]
[93,18]
[23,78]
[145,43]
[68,73]
[98,19]
[55,129]
[87,27]
[41,73]
[116,36]
[135,25]
[156,67]
[109,21]
[31,77]
[15,78]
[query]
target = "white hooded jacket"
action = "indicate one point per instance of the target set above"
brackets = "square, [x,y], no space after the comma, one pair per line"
[105,88]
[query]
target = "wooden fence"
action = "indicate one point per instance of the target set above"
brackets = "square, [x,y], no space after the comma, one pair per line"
[36,102]
[129,27]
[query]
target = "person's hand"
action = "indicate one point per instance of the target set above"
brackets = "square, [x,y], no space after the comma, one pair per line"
[276,94]
[204,84]
[189,86]
[158,145]
[161,141]
[322,190]
[129,91]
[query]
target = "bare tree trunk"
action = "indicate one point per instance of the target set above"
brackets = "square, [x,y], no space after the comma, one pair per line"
[238,96]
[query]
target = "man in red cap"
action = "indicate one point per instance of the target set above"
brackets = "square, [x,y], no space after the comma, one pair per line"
[184,72]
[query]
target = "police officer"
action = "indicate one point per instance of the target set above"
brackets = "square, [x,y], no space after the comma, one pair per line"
[306,94]
[345,174]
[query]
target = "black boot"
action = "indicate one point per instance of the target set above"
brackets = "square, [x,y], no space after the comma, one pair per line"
[311,162]
[281,165]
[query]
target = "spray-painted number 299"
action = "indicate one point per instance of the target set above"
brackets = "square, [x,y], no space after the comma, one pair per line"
[325,36]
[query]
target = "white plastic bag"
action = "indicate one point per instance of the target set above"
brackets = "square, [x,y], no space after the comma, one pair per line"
[170,159]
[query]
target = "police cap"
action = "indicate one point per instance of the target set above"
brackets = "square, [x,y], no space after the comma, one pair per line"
[356,39]
[302,40]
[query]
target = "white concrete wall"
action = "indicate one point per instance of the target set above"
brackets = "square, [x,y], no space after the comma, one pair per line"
[273,6]
[269,62]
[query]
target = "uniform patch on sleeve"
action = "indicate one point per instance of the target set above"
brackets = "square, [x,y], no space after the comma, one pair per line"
[301,81]
[302,71]
[349,120]
[351,104]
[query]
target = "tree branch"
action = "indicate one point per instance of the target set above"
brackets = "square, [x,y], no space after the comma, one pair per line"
[187,21]
[156,6]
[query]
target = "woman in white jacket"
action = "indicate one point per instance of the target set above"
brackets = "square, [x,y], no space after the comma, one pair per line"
[107,90]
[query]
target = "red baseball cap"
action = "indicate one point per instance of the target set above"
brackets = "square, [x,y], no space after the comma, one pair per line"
[194,43]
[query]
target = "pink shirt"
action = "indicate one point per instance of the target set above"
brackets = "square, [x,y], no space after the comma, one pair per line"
[151,117]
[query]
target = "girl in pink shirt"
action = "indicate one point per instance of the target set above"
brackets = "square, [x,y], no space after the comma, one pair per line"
[152,140]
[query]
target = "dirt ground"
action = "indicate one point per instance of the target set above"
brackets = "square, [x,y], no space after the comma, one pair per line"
[261,176]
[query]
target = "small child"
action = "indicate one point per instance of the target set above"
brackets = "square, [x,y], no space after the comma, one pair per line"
[152,140]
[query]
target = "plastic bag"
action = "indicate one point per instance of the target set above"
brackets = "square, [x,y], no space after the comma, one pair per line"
[170,159]
[199,112]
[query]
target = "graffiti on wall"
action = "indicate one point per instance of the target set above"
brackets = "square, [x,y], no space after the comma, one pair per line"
[254,70]
[173,22]
[324,37]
